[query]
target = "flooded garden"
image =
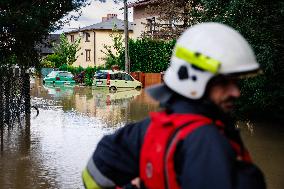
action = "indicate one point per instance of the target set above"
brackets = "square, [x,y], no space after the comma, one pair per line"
[71,121]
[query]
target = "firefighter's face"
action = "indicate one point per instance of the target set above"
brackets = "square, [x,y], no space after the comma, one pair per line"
[223,94]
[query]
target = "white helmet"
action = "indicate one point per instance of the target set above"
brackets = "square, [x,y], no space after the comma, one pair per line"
[203,51]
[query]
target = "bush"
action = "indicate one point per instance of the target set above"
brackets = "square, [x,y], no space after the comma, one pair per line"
[151,56]
[146,55]
[56,59]
[47,63]
[261,23]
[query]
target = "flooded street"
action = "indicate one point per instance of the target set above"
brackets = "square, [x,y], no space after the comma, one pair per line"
[71,121]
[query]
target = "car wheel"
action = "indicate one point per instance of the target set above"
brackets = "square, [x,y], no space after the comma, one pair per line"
[112,89]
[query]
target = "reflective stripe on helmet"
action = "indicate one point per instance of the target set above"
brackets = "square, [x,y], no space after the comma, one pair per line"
[89,181]
[199,60]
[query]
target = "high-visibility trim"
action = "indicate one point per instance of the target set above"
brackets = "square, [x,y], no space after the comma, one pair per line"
[88,180]
[199,60]
[102,180]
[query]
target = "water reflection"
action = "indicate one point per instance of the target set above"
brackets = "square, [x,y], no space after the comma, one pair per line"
[72,120]
[112,108]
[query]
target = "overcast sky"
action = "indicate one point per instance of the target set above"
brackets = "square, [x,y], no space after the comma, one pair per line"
[95,11]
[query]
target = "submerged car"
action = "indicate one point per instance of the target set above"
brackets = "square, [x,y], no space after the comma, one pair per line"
[114,80]
[59,77]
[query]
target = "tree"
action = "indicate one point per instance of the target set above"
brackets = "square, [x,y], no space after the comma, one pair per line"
[25,23]
[65,51]
[261,23]
[114,52]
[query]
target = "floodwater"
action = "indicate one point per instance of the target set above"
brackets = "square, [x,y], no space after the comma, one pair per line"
[71,121]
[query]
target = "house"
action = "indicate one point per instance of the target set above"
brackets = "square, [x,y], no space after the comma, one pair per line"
[143,21]
[147,23]
[93,39]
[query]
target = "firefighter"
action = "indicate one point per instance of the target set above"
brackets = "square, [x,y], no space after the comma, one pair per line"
[193,142]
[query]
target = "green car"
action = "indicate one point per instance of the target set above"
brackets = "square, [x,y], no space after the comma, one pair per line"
[59,77]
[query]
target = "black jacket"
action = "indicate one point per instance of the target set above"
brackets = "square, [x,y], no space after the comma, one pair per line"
[204,159]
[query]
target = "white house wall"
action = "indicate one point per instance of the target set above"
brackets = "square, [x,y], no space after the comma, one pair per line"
[98,38]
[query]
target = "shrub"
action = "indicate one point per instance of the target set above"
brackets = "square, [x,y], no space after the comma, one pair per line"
[146,55]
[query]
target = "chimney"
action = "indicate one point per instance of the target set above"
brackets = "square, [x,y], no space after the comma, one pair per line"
[108,17]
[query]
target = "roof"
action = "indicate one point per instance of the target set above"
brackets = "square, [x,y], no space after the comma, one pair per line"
[142,3]
[106,25]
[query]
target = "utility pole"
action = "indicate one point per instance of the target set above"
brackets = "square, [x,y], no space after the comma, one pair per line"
[127,65]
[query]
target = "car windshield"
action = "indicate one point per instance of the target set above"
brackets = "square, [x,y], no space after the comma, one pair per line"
[52,74]
[66,74]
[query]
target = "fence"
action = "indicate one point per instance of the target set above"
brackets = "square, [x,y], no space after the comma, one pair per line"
[14,98]
[148,79]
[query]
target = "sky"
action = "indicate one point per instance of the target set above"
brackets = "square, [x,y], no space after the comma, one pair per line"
[94,12]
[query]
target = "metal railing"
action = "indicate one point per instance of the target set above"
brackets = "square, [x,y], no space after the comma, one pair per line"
[14,98]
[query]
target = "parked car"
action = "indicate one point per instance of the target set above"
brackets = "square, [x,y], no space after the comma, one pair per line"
[59,77]
[114,80]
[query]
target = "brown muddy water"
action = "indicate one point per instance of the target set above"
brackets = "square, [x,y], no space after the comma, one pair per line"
[72,120]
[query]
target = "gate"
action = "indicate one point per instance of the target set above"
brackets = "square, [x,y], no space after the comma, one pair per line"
[14,99]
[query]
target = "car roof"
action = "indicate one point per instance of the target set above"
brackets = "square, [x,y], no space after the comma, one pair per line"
[61,71]
[110,71]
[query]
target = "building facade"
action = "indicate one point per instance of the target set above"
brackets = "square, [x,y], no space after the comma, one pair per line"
[94,38]
[143,21]
[148,23]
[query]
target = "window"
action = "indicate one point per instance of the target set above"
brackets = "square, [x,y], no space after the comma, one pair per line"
[88,55]
[151,22]
[52,74]
[87,37]
[102,75]
[65,74]
[72,38]
[117,76]
[112,76]
[128,77]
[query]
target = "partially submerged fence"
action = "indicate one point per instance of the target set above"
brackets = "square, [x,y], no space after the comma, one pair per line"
[148,79]
[14,98]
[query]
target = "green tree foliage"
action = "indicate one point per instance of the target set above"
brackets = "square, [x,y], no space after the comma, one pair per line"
[65,52]
[260,22]
[25,23]
[150,56]
[113,52]
[146,55]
